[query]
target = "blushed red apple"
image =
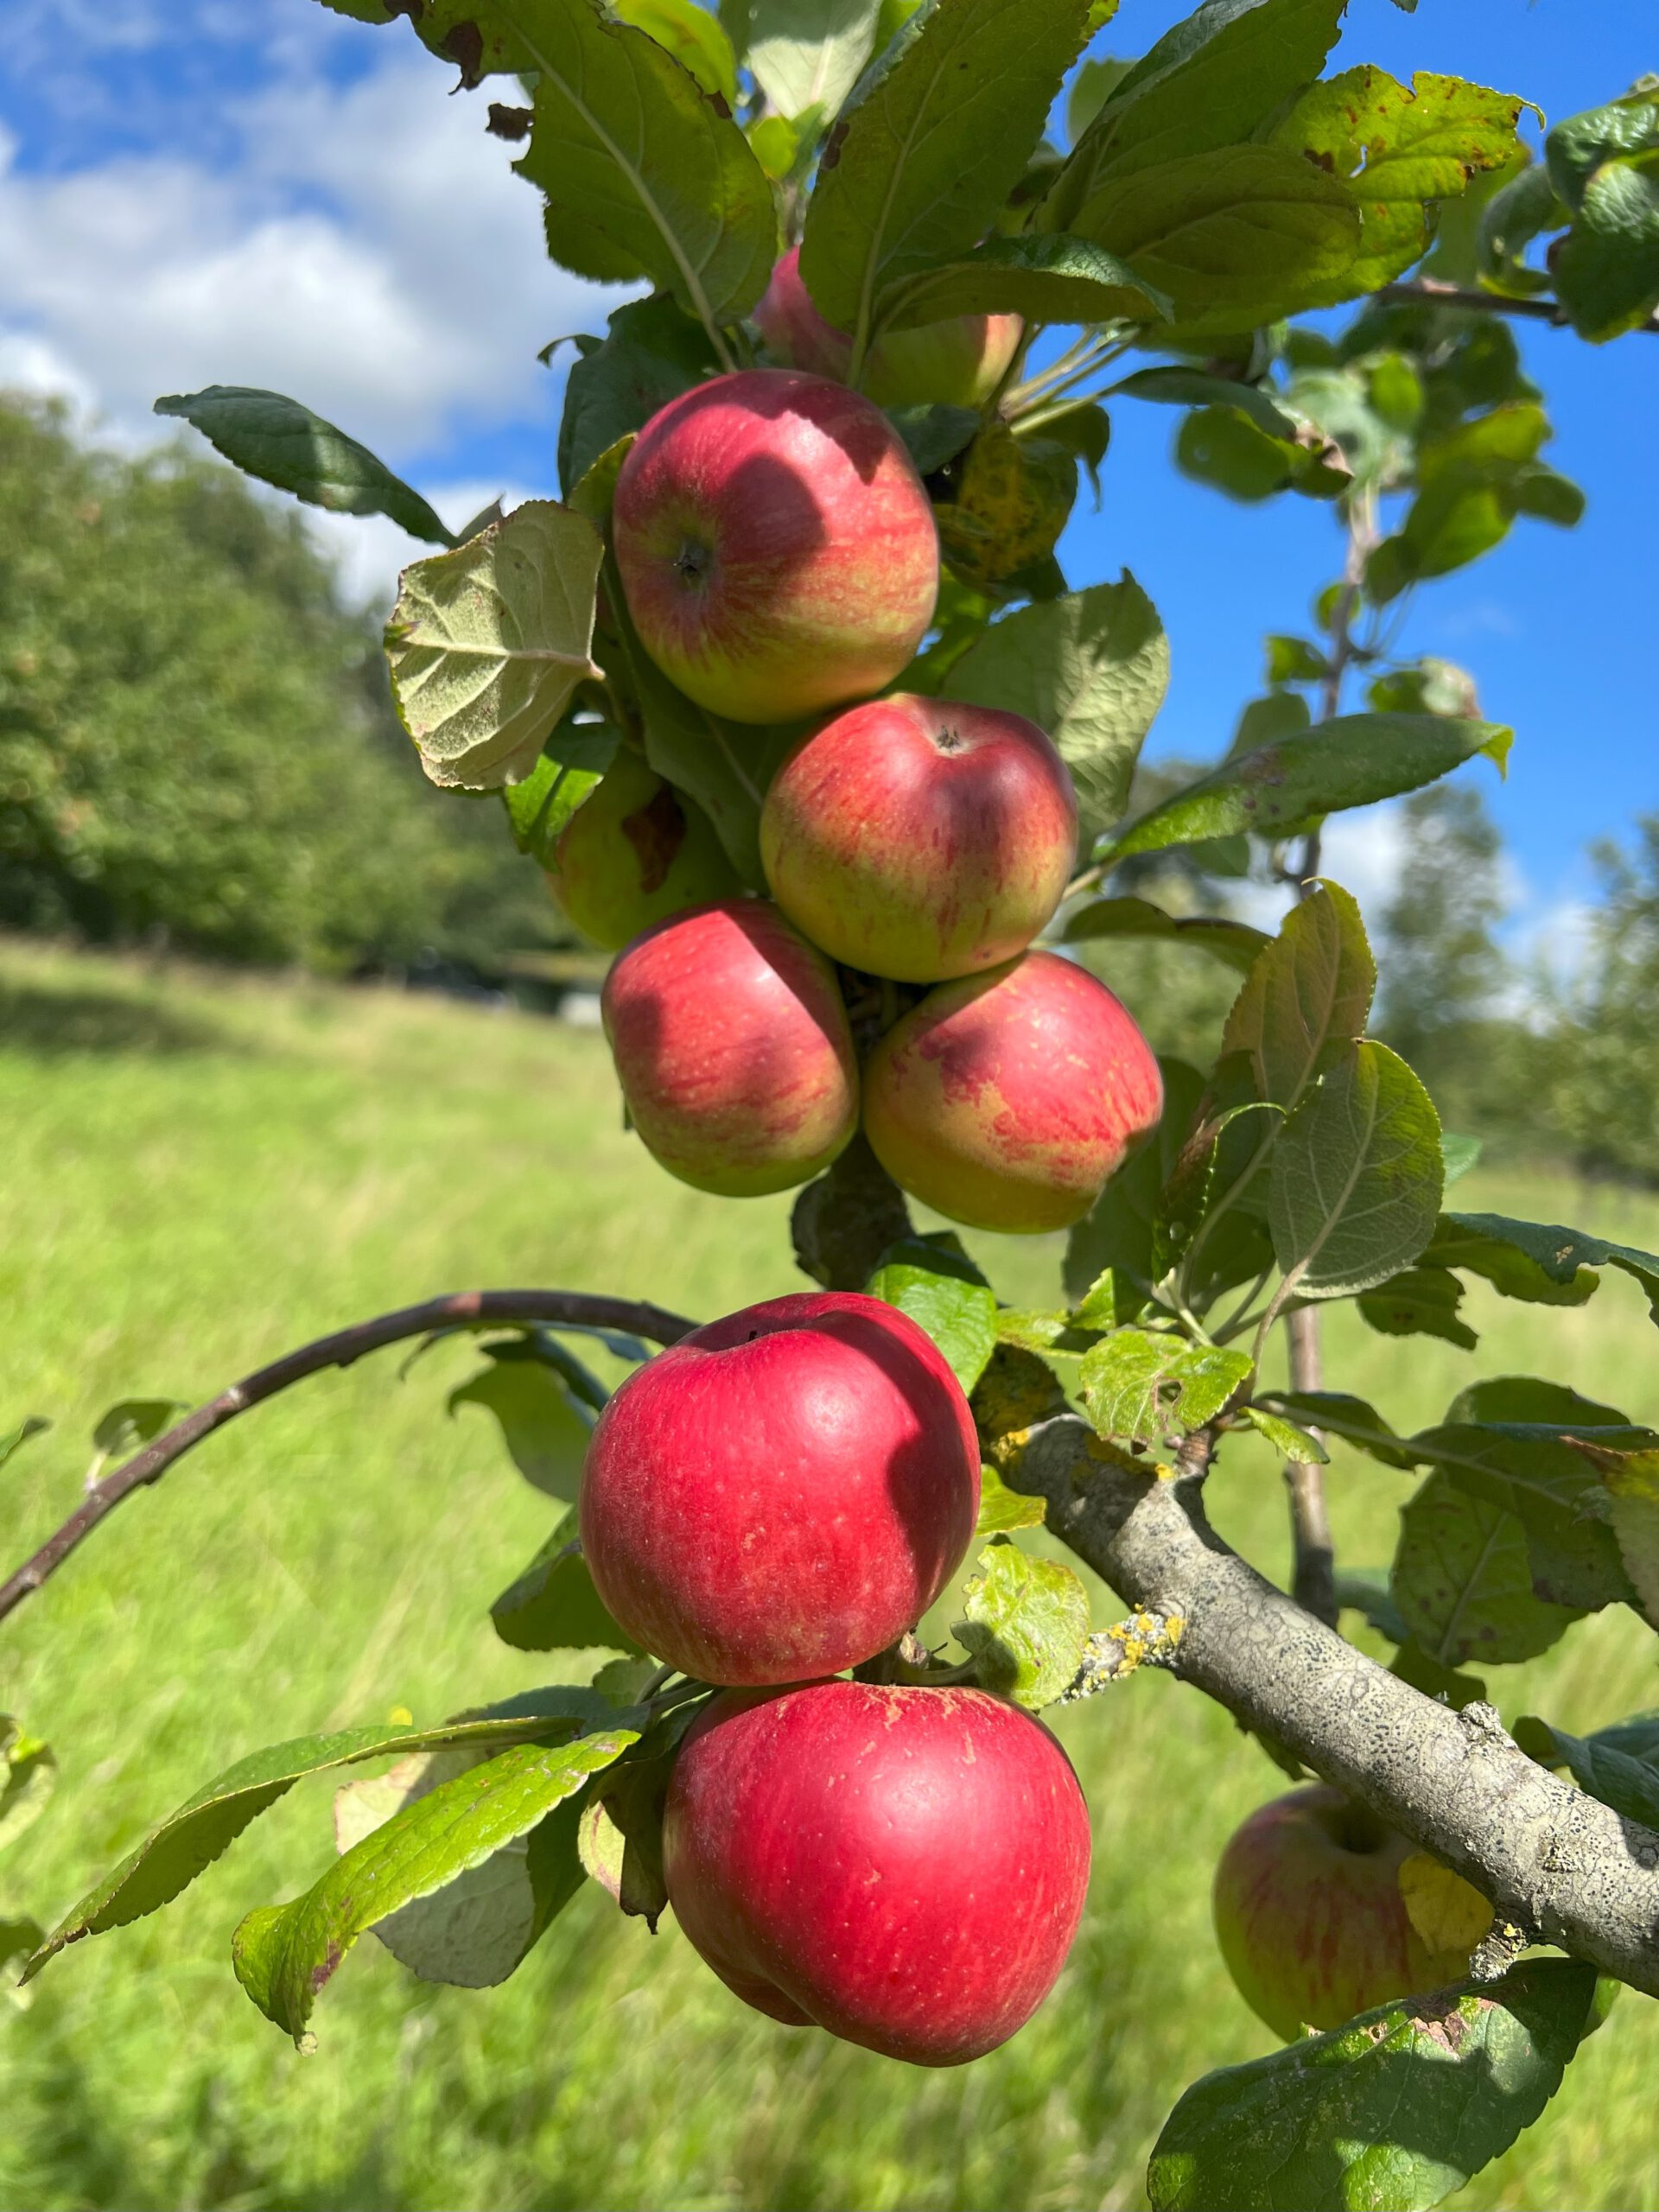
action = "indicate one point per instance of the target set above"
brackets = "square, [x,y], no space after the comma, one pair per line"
[782,1493]
[920,839]
[776,549]
[1005,1100]
[905,1867]
[733,1047]
[634,852]
[957,363]
[1310,1917]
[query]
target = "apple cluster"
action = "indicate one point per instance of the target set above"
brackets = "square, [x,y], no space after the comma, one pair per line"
[779,559]
[777,1498]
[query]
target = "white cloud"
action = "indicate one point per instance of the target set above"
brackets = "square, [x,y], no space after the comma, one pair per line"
[1363,851]
[370,251]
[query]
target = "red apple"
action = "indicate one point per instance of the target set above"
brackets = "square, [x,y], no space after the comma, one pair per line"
[1310,1916]
[1005,1100]
[918,839]
[905,1867]
[733,1048]
[783,1493]
[634,852]
[776,548]
[958,363]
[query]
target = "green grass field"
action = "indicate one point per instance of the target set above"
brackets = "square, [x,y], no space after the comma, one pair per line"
[201,1172]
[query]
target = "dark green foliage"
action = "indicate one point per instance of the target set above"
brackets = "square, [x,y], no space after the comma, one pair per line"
[194,740]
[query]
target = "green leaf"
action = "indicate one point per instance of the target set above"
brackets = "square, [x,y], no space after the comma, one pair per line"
[1419,1301]
[808,53]
[692,35]
[1579,145]
[571,765]
[652,352]
[545,1424]
[1403,151]
[1561,1257]
[487,643]
[1365,1590]
[1340,1414]
[1549,1488]
[1306,997]
[286,1954]
[1091,669]
[934,434]
[1235,943]
[1183,387]
[1145,1388]
[1460,1154]
[643,175]
[1607,270]
[1628,1464]
[1026,1623]
[553,1607]
[1207,84]
[1002,1509]
[1109,1253]
[1619,1765]
[1457,1243]
[477,1928]
[284,443]
[1042,275]
[933,1280]
[1236,238]
[131,1422]
[1286,1437]
[1352,760]
[15,1439]
[1356,1177]
[1463,1579]
[28,1774]
[19,1939]
[929,146]
[620,1835]
[1392,2111]
[1222,447]
[1522,210]
[205,1826]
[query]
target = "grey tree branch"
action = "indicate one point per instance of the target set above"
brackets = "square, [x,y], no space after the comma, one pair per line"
[339,1349]
[1549,1858]
[1427,292]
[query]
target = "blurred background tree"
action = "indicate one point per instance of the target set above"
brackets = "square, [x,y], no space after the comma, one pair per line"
[1603,1041]
[196,744]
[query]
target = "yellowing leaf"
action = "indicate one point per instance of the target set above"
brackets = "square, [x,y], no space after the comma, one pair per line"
[487,643]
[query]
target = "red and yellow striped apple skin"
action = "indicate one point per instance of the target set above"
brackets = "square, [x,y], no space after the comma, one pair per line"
[921,839]
[1005,1099]
[956,363]
[732,1046]
[776,549]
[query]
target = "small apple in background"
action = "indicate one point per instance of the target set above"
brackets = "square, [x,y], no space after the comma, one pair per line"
[918,839]
[1005,1100]
[957,363]
[733,1047]
[905,1867]
[776,549]
[1310,1916]
[635,851]
[783,1493]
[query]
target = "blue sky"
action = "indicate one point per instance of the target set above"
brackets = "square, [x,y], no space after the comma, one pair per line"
[257,191]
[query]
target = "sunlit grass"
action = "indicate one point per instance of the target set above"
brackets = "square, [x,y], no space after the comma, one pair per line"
[201,1172]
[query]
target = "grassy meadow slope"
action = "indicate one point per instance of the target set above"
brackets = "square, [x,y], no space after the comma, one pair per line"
[201,1171]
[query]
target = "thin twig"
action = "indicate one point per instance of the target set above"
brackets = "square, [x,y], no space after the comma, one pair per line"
[342,1349]
[1428,291]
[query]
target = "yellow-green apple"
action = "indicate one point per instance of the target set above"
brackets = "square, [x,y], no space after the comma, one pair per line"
[635,851]
[1310,1915]
[920,839]
[777,549]
[733,1048]
[1005,1099]
[957,363]
[905,1867]
[783,1493]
